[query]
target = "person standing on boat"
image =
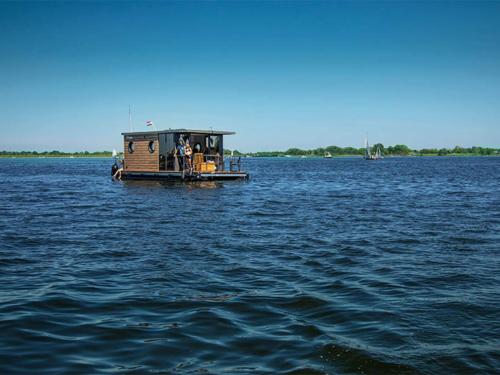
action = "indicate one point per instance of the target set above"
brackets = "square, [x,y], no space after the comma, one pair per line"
[189,152]
[180,153]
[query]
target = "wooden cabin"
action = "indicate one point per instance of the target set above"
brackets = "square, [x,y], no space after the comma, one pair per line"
[158,155]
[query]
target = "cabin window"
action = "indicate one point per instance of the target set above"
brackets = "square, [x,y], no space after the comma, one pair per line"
[151,147]
[131,147]
[213,143]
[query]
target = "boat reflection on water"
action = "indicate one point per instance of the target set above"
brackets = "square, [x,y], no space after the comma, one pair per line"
[190,185]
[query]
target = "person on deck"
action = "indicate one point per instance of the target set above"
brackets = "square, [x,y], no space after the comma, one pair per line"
[180,154]
[119,169]
[189,152]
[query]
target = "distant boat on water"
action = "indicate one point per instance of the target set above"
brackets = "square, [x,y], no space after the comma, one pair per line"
[369,156]
[328,155]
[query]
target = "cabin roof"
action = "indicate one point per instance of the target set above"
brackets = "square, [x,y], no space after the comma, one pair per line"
[190,131]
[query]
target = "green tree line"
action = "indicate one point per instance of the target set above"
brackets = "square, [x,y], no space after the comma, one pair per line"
[396,150]
[82,154]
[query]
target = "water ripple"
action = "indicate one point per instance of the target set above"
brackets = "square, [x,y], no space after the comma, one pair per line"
[312,267]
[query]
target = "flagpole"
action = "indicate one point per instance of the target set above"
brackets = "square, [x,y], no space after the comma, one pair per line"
[129,118]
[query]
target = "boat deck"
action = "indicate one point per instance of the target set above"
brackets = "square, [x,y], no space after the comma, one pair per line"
[196,176]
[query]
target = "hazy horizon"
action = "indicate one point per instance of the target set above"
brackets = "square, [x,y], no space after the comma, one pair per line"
[280,74]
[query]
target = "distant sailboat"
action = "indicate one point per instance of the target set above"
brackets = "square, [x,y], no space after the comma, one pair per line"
[369,155]
[328,155]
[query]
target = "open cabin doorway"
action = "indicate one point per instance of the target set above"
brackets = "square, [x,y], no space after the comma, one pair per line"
[167,152]
[207,148]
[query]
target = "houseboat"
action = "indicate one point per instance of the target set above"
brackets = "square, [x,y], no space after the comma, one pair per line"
[178,154]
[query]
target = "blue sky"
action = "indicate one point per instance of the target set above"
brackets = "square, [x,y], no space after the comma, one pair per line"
[281,74]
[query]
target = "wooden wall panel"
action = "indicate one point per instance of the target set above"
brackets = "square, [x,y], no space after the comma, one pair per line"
[141,160]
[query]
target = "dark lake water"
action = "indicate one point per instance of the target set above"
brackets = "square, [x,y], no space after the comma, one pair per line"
[314,266]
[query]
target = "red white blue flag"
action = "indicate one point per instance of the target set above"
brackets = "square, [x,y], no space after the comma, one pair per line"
[149,123]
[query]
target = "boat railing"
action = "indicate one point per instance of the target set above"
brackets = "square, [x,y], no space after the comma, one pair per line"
[207,162]
[216,162]
[217,159]
[235,164]
[204,163]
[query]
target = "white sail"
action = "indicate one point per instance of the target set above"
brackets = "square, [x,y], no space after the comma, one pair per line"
[368,154]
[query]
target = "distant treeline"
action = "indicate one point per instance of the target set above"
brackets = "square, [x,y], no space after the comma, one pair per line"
[28,154]
[397,150]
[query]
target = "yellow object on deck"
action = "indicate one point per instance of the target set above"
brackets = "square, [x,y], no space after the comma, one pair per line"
[201,166]
[209,166]
[197,161]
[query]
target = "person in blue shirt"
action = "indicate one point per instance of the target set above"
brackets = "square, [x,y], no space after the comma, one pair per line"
[180,154]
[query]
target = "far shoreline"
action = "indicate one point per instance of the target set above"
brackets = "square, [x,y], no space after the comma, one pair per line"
[254,156]
[398,150]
